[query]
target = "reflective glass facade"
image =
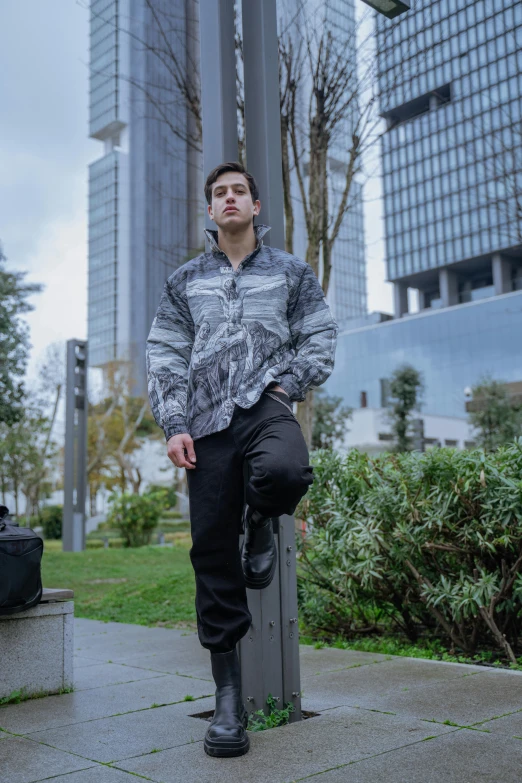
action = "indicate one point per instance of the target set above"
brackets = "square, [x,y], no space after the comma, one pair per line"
[451,90]
[104,104]
[453,349]
[103,258]
[143,220]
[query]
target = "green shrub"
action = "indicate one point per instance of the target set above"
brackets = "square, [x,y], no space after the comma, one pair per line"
[93,543]
[173,526]
[171,514]
[135,517]
[416,541]
[117,543]
[167,493]
[51,519]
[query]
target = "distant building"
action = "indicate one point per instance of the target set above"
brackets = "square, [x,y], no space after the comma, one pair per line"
[369,430]
[145,215]
[453,348]
[451,92]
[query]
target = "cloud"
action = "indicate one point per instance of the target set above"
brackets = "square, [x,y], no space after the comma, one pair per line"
[60,263]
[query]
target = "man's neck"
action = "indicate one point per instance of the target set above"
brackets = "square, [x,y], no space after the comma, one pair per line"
[237,246]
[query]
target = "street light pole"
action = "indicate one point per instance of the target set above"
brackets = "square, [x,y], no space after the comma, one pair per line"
[262,112]
[218,85]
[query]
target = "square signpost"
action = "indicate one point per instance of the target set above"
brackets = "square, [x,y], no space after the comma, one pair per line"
[269,653]
[75,454]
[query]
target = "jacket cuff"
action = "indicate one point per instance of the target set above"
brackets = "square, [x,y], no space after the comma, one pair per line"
[175,427]
[291,387]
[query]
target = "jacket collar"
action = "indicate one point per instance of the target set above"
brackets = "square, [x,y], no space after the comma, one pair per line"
[212,237]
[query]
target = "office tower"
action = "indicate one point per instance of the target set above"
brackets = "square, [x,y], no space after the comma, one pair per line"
[451,94]
[451,87]
[347,289]
[145,215]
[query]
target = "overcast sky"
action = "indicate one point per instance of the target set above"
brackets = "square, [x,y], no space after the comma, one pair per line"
[44,154]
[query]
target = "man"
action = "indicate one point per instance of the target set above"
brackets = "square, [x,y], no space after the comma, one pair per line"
[240,333]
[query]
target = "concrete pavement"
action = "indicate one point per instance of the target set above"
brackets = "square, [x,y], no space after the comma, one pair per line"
[381,718]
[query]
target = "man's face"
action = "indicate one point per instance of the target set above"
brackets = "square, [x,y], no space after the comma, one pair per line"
[232,208]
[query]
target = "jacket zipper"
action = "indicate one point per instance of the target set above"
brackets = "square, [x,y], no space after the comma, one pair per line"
[282,402]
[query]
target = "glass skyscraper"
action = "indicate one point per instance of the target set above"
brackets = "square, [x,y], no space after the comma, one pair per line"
[144,212]
[451,92]
[450,78]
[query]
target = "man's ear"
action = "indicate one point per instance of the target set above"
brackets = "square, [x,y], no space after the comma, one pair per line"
[257,207]
[210,213]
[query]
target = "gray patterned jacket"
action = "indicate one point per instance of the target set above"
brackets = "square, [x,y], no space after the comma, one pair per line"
[220,337]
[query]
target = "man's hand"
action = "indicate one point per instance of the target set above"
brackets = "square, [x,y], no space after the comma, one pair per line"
[176,447]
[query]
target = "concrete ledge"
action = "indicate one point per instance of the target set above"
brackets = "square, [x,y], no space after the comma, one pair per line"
[36,649]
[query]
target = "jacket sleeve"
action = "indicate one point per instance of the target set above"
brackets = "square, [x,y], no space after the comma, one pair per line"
[314,336]
[169,348]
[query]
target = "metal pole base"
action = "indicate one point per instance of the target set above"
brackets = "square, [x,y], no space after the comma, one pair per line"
[269,653]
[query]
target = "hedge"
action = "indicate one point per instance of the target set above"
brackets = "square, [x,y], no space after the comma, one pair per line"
[415,543]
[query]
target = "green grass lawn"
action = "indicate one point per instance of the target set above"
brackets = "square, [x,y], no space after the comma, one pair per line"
[146,586]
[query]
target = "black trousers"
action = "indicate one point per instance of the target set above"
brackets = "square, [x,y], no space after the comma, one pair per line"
[269,438]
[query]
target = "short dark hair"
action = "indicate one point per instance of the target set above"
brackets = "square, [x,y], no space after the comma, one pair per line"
[224,168]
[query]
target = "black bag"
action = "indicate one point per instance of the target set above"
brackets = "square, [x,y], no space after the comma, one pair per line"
[21,553]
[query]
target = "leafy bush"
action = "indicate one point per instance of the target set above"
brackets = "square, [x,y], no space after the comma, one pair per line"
[93,543]
[51,519]
[171,514]
[167,493]
[416,542]
[135,517]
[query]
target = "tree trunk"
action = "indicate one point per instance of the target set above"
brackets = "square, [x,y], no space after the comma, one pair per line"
[287,196]
[93,492]
[15,487]
[305,417]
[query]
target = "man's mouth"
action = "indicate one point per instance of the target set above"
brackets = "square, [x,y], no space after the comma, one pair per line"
[231,209]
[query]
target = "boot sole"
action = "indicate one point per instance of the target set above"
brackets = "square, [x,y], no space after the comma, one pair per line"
[260,584]
[226,750]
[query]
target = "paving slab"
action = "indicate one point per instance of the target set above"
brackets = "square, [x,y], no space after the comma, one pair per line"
[79,661]
[464,700]
[70,708]
[123,647]
[284,754]
[102,674]
[98,775]
[318,661]
[459,757]
[24,761]
[84,630]
[378,686]
[124,736]
[509,725]
[187,661]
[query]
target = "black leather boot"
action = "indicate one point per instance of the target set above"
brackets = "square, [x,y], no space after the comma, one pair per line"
[259,553]
[226,736]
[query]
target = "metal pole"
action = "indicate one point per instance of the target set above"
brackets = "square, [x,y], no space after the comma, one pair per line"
[262,112]
[75,455]
[218,85]
[269,652]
